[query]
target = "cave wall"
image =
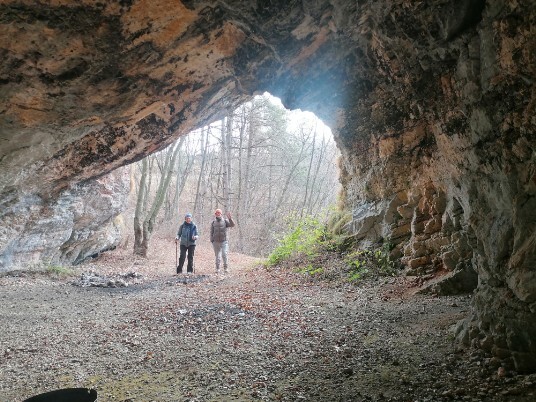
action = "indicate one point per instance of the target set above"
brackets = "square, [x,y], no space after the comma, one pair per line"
[440,159]
[431,103]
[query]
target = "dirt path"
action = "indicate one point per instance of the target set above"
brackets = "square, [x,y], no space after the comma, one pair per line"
[252,335]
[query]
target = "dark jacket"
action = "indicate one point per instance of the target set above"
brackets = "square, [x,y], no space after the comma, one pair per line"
[218,229]
[186,232]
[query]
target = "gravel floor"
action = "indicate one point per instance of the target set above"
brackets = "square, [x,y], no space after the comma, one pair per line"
[252,335]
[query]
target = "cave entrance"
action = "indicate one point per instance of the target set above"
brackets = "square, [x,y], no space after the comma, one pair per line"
[267,165]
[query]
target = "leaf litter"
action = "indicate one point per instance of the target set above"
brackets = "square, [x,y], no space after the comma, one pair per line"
[252,335]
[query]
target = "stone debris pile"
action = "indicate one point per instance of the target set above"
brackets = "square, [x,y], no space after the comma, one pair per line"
[93,279]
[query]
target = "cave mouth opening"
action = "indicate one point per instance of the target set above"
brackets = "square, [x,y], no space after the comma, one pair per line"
[261,162]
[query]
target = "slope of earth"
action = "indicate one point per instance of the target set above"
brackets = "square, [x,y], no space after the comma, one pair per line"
[251,335]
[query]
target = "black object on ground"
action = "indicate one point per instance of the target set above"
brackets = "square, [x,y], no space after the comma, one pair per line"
[66,395]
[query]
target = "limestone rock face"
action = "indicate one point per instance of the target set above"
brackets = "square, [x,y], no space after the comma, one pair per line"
[432,105]
[82,221]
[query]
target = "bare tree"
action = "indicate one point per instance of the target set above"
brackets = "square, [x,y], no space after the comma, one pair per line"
[254,162]
[204,149]
[140,208]
[308,175]
[181,171]
[304,145]
[226,128]
[144,220]
[238,213]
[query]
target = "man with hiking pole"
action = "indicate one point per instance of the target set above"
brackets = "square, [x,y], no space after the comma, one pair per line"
[186,237]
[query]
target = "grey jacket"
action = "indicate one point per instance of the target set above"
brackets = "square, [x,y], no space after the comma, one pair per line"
[218,229]
[186,234]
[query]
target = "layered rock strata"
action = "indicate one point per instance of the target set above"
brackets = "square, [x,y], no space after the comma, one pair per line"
[431,103]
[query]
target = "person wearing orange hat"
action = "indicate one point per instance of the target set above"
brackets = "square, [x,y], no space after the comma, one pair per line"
[218,238]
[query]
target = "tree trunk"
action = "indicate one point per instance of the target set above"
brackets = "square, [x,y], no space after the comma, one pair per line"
[321,157]
[308,176]
[138,213]
[224,165]
[204,148]
[145,229]
[238,212]
[173,193]
[229,138]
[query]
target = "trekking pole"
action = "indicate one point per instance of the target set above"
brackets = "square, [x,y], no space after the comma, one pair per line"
[193,266]
[176,248]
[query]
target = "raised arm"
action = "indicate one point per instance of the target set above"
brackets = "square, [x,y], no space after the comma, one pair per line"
[230,223]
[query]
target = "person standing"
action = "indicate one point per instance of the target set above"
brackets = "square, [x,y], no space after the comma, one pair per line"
[218,238]
[187,235]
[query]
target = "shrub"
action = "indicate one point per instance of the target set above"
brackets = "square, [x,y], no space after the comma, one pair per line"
[327,251]
[311,270]
[370,262]
[337,222]
[58,270]
[303,236]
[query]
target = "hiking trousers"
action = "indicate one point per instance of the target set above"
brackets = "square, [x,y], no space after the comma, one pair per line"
[190,250]
[220,252]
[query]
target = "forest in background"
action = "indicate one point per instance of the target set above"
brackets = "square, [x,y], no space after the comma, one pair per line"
[266,165]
